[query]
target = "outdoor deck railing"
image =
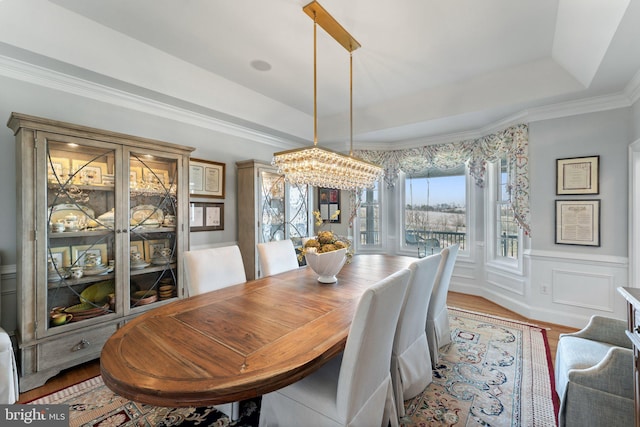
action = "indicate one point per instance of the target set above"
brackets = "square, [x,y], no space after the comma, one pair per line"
[431,241]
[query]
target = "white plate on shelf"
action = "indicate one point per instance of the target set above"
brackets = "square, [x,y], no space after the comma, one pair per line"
[162,260]
[139,265]
[55,277]
[104,269]
[149,213]
[58,212]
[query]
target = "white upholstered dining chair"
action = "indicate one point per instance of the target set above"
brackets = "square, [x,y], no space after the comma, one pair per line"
[8,371]
[213,268]
[437,326]
[353,389]
[210,269]
[276,257]
[410,359]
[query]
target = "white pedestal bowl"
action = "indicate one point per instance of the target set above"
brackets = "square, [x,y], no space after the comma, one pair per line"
[327,264]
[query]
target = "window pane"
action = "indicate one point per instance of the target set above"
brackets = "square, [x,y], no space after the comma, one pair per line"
[436,213]
[507,232]
[369,216]
[503,182]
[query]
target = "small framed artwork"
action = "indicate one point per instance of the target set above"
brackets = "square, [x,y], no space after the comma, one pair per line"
[137,246]
[61,256]
[156,175]
[135,176]
[88,173]
[204,216]
[58,166]
[577,175]
[206,178]
[329,204]
[578,222]
[152,248]
[79,252]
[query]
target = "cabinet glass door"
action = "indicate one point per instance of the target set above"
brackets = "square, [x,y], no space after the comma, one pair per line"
[284,209]
[80,250]
[153,241]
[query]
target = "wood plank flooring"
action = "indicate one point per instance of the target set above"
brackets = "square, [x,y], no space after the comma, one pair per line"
[467,302]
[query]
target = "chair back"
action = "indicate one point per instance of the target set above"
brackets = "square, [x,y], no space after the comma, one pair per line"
[410,360]
[213,268]
[367,354]
[276,257]
[437,326]
[445,271]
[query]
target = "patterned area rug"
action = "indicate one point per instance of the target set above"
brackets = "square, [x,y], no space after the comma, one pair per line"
[496,372]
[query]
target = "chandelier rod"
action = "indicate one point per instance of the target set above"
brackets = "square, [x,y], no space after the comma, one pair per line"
[315,80]
[351,103]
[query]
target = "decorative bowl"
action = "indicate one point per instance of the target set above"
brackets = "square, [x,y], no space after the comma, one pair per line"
[326,264]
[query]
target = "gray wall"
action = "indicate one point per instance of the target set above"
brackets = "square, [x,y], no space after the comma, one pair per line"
[635,113]
[606,134]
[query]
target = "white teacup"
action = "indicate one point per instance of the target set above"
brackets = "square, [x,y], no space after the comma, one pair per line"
[136,257]
[57,227]
[76,272]
[165,252]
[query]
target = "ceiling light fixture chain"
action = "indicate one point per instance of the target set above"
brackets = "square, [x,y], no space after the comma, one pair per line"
[317,166]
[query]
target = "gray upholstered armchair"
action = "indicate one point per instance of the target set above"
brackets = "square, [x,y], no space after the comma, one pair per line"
[594,375]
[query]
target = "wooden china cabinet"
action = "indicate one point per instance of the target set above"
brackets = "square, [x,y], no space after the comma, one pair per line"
[102,223]
[269,209]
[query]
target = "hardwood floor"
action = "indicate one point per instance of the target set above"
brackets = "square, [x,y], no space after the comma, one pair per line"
[479,304]
[468,302]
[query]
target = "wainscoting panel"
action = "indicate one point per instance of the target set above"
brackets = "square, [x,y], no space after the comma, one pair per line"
[568,288]
[582,289]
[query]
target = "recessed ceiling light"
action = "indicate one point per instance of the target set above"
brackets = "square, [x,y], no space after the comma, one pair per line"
[260,65]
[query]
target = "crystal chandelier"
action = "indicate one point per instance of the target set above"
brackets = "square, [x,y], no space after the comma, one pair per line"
[317,166]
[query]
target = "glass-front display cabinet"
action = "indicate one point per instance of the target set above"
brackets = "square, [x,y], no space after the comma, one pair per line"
[269,209]
[101,232]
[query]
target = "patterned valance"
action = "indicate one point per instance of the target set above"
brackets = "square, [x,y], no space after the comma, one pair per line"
[476,153]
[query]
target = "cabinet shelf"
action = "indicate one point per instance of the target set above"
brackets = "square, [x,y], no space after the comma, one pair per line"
[148,230]
[152,268]
[55,284]
[82,233]
[85,187]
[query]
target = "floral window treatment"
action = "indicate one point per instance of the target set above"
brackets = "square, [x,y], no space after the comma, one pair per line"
[476,153]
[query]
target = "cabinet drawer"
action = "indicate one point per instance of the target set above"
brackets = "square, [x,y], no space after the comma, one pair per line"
[73,346]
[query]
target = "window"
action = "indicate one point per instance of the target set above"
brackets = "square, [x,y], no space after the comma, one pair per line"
[369,219]
[435,210]
[506,236]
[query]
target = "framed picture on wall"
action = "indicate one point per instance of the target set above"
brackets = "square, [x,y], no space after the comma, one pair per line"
[329,204]
[578,222]
[577,175]
[205,216]
[206,178]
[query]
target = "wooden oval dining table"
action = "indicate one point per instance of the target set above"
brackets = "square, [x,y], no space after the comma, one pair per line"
[241,341]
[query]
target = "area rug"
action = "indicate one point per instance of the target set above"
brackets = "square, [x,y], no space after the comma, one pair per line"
[496,372]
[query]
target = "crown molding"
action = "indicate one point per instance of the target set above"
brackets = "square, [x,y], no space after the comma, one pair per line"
[34,74]
[547,112]
[41,76]
[633,88]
